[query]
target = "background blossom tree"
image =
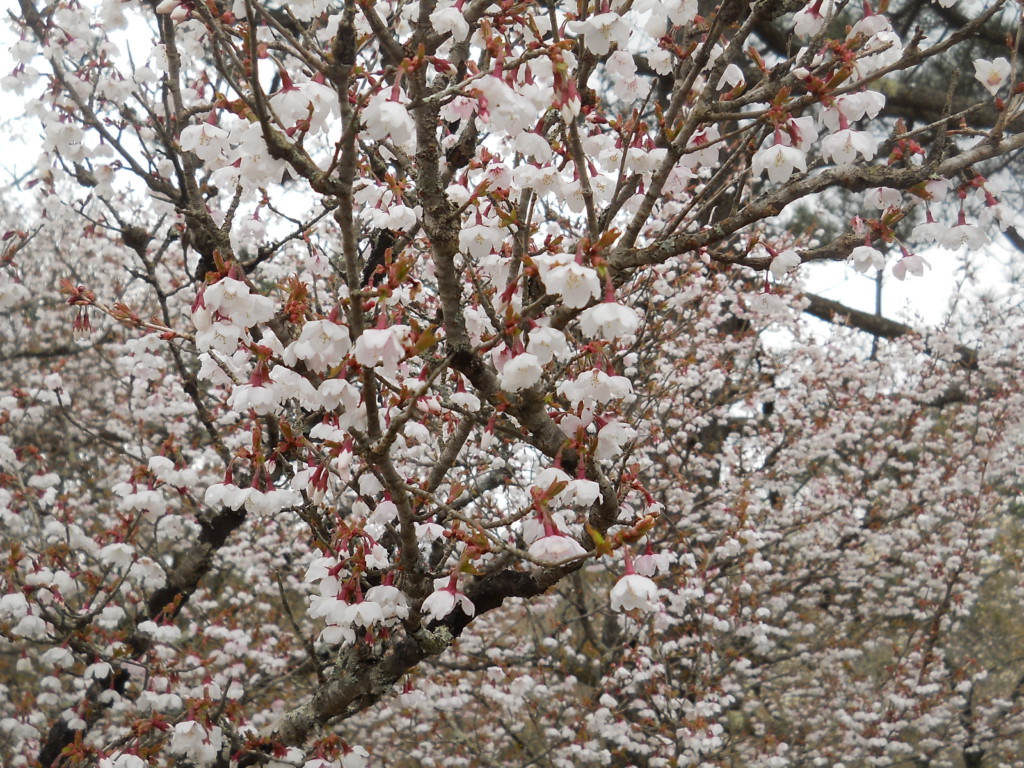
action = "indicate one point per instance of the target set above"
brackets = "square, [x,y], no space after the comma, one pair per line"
[430,383]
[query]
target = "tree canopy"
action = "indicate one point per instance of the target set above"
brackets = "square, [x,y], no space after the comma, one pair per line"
[429,383]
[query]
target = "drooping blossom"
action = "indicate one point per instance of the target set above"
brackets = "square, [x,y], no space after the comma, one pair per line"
[785,263]
[633,591]
[651,563]
[609,320]
[555,546]
[386,117]
[911,264]
[382,347]
[547,344]
[809,20]
[612,438]
[865,257]
[843,146]
[779,162]
[601,31]
[962,234]
[443,600]
[521,372]
[595,387]
[233,300]
[450,20]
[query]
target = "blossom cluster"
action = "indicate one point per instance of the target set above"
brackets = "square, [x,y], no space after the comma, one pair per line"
[390,316]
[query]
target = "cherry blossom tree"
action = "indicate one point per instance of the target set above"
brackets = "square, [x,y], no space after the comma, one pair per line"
[434,383]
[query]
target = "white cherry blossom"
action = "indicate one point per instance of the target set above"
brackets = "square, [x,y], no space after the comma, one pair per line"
[883,198]
[956,237]
[609,320]
[702,149]
[480,239]
[444,599]
[911,264]
[547,344]
[393,603]
[11,292]
[322,344]
[262,399]
[521,372]
[309,102]
[779,162]
[581,492]
[767,303]
[210,142]
[576,284]
[732,76]
[364,614]
[387,118]
[595,387]
[852,107]
[382,347]
[992,74]
[843,146]
[556,548]
[508,111]
[634,592]
[196,742]
[535,145]
[222,336]
[601,31]
[785,263]
[450,19]
[865,257]
[235,301]
[809,20]
[650,563]
[611,439]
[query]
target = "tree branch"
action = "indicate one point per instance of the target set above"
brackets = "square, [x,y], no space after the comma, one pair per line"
[881,327]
